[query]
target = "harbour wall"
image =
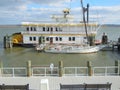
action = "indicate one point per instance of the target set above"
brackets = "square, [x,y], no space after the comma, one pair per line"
[53,83]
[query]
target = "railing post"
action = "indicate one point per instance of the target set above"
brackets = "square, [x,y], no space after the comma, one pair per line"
[29,68]
[93,71]
[60,68]
[45,72]
[76,71]
[90,71]
[117,67]
[106,69]
[13,72]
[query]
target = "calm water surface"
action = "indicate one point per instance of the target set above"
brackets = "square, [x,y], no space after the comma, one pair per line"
[18,56]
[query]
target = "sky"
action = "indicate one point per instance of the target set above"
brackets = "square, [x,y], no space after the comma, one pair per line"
[17,11]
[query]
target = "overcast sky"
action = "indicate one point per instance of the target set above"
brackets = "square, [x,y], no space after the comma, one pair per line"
[17,11]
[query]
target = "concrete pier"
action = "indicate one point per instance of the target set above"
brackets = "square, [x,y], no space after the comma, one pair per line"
[40,78]
[54,82]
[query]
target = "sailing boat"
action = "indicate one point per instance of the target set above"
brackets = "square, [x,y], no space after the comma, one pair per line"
[74,49]
[86,48]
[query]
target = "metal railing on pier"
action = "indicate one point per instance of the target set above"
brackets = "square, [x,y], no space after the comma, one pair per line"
[75,71]
[67,71]
[45,71]
[13,72]
[106,71]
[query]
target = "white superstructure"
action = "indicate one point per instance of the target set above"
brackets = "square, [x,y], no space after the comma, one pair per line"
[61,30]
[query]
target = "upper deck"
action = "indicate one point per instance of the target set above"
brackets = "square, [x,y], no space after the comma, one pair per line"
[52,23]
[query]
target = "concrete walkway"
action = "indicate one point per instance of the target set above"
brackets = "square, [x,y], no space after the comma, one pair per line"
[53,83]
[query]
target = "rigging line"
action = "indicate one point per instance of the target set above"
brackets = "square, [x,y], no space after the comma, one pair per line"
[70,3]
[84,21]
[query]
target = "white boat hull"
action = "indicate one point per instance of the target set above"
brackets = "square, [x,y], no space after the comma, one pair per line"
[82,50]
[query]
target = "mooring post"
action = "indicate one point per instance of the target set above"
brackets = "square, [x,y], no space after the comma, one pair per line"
[60,68]
[118,47]
[1,66]
[5,41]
[117,67]
[29,71]
[90,71]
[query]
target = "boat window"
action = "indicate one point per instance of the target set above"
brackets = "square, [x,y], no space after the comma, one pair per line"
[34,29]
[47,39]
[69,38]
[34,38]
[31,28]
[73,38]
[56,38]
[30,38]
[56,29]
[27,28]
[51,29]
[48,29]
[43,28]
[60,29]
[43,39]
[60,38]
[85,37]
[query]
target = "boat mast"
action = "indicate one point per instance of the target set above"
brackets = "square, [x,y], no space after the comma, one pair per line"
[84,21]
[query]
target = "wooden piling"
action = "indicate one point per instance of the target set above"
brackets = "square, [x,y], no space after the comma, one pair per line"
[1,66]
[60,68]
[104,39]
[90,71]
[118,47]
[116,66]
[29,71]
[7,42]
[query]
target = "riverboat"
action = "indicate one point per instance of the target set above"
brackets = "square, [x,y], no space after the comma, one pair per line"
[61,30]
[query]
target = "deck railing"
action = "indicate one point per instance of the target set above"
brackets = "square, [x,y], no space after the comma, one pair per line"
[67,71]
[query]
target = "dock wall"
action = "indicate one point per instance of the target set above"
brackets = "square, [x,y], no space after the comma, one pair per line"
[54,82]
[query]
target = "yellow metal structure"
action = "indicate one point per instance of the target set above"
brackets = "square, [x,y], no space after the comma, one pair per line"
[17,38]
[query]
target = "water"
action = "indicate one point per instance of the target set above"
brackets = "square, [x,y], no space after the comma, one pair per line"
[18,56]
